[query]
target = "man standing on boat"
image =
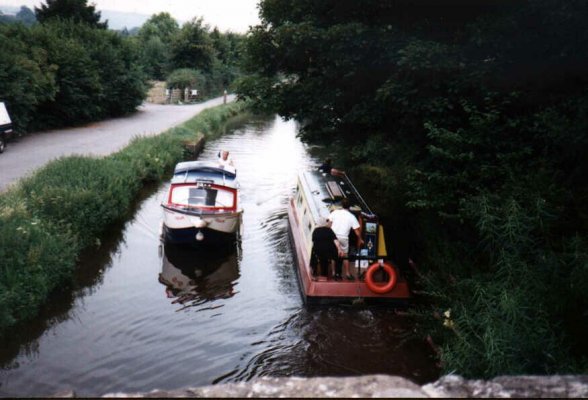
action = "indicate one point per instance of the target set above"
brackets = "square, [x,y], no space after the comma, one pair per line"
[343,222]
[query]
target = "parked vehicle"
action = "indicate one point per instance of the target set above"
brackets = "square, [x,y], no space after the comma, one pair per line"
[5,127]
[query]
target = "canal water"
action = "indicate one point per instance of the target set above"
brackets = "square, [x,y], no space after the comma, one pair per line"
[146,316]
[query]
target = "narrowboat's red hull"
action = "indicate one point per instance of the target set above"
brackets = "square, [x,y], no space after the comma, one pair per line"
[326,290]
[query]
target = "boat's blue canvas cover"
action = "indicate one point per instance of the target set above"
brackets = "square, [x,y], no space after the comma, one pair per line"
[192,171]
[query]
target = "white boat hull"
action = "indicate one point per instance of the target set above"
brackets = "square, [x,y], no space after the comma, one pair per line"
[225,222]
[187,227]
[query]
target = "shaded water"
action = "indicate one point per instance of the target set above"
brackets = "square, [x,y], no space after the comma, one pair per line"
[146,316]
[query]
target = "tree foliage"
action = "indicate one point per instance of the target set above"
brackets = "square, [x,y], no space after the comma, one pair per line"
[473,116]
[76,10]
[154,39]
[193,47]
[185,78]
[167,48]
[69,69]
[62,73]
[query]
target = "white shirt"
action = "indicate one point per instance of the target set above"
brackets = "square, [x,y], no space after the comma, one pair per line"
[227,162]
[343,222]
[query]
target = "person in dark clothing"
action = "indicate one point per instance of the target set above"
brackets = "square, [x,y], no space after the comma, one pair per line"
[325,249]
[326,166]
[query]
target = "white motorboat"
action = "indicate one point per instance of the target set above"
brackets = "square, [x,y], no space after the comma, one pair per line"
[202,204]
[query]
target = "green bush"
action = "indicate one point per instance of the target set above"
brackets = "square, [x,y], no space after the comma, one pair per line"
[64,74]
[36,257]
[83,193]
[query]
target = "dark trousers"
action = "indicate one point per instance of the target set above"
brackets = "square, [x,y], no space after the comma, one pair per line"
[317,260]
[338,266]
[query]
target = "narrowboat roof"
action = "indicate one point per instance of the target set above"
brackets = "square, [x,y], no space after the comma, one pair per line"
[324,193]
[193,171]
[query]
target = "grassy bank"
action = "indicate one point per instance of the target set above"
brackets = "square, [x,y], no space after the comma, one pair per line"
[49,217]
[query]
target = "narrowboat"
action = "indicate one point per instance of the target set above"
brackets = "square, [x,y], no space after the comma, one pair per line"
[377,279]
[202,204]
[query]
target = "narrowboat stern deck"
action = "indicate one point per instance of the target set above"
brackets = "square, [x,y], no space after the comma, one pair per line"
[377,279]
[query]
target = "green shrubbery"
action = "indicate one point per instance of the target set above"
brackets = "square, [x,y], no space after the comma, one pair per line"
[189,57]
[36,256]
[48,218]
[62,74]
[69,69]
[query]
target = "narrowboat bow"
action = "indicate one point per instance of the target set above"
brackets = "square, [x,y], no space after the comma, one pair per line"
[378,279]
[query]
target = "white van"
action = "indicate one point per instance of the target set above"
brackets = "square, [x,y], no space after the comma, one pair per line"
[5,126]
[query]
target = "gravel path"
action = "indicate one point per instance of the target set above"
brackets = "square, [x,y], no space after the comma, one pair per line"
[26,154]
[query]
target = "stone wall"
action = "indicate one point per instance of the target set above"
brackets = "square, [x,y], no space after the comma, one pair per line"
[157,93]
[451,386]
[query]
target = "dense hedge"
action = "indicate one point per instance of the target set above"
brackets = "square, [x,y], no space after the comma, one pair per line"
[48,218]
[62,74]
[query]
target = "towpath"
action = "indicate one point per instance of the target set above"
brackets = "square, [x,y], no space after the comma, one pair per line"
[25,155]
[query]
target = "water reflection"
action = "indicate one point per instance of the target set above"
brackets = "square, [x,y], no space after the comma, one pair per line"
[195,275]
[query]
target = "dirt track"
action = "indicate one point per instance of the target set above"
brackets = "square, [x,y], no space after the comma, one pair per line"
[24,155]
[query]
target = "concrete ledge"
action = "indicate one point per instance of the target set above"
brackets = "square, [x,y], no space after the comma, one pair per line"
[193,147]
[451,386]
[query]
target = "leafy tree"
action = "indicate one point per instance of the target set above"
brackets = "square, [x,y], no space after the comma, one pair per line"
[121,76]
[78,77]
[185,78]
[161,25]
[193,47]
[76,10]
[228,53]
[155,58]
[62,73]
[227,46]
[155,38]
[27,76]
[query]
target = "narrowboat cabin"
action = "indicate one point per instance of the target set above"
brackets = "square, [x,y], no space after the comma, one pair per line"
[377,279]
[202,204]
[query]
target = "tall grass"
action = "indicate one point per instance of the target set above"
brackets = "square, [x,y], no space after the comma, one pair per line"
[50,217]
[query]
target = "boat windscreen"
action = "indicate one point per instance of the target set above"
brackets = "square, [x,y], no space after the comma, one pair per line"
[203,175]
[209,197]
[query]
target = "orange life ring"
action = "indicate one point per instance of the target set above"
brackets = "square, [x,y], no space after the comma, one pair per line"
[377,288]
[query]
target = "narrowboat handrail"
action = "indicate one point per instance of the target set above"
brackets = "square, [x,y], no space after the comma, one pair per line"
[364,204]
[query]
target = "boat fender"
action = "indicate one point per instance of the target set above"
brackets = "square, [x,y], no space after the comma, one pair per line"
[377,287]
